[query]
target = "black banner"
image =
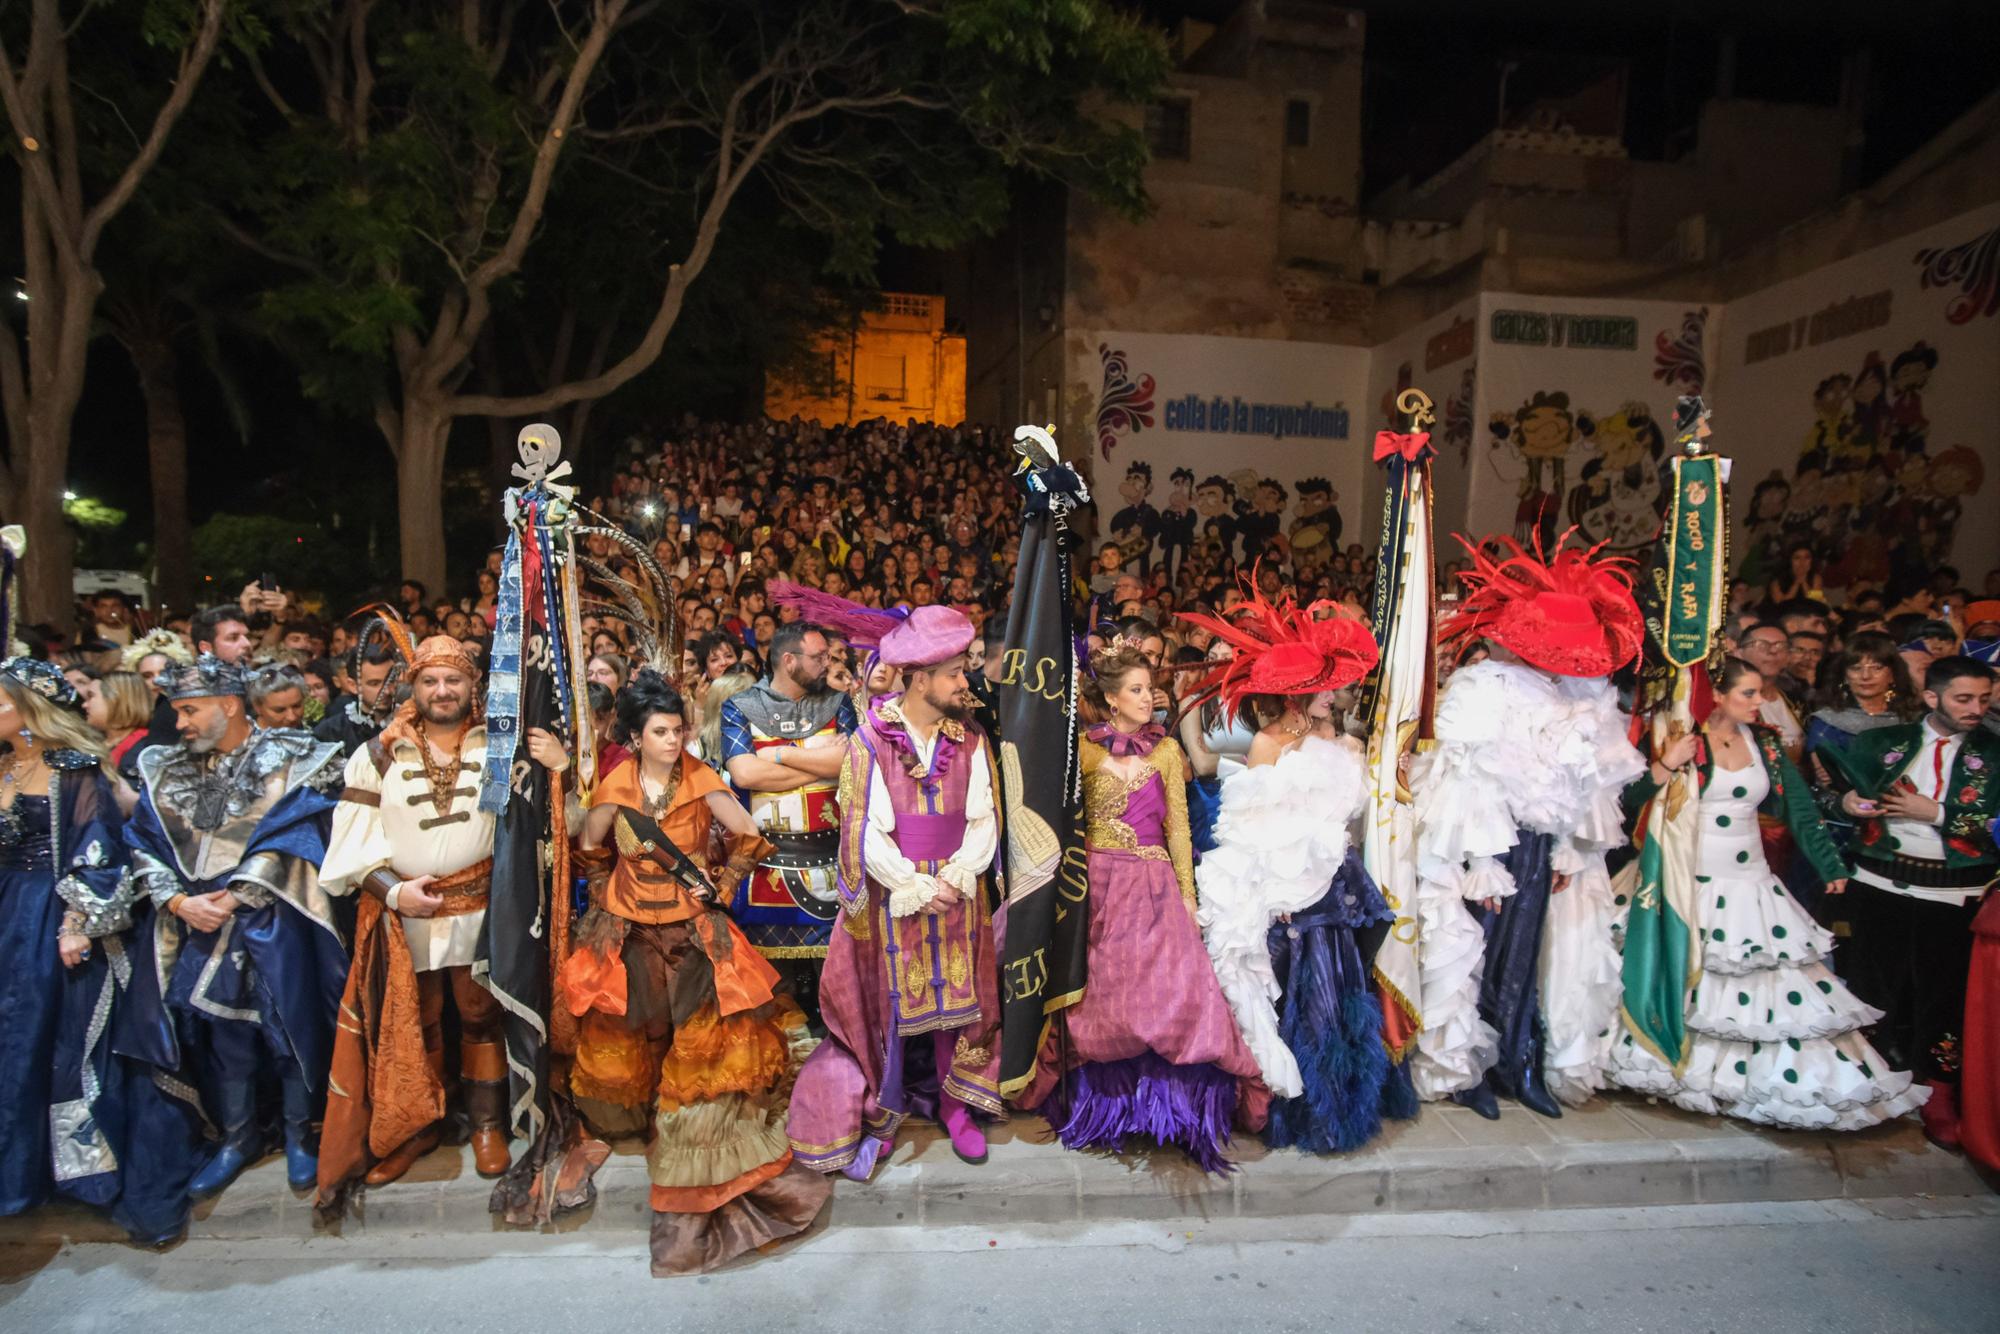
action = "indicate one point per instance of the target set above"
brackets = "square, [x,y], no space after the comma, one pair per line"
[514,942]
[1046,916]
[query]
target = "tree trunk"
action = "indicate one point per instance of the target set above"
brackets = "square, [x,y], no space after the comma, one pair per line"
[48,570]
[153,356]
[425,427]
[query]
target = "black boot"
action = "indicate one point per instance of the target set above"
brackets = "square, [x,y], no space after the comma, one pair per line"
[1480,1099]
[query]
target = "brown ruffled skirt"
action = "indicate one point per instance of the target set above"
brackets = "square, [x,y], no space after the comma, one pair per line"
[718,1087]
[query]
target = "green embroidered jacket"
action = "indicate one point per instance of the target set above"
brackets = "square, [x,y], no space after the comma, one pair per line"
[1874,760]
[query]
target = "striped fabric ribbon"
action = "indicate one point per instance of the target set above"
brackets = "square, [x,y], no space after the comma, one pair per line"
[503,683]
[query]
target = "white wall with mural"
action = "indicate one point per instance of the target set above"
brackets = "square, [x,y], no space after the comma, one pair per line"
[1235,439]
[1575,413]
[1862,404]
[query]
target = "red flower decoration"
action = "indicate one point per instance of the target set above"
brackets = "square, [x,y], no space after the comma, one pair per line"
[1968,796]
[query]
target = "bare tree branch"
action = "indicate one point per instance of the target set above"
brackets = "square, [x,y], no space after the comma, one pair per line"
[256,246]
[194,62]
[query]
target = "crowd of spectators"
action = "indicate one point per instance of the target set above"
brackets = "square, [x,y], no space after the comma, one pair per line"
[886,514]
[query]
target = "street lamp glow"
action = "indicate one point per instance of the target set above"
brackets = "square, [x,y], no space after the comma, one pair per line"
[69,495]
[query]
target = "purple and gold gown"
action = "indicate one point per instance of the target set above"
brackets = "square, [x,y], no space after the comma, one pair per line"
[1152,1049]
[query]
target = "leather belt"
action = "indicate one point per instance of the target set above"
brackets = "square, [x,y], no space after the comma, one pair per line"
[1925,873]
[801,851]
[463,891]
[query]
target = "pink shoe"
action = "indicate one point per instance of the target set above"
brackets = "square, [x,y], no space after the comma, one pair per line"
[968,1141]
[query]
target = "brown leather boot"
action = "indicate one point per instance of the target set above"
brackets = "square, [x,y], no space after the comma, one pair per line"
[484,1066]
[403,1158]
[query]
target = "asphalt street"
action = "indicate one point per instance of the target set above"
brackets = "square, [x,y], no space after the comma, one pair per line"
[1901,1265]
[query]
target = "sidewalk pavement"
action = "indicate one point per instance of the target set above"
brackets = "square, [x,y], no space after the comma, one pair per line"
[1619,1151]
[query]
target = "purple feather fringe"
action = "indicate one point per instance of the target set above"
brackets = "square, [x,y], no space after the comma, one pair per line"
[862,626]
[1188,1106]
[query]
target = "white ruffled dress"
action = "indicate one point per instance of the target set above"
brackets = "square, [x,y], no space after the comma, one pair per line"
[1775,1035]
[1517,749]
[1281,836]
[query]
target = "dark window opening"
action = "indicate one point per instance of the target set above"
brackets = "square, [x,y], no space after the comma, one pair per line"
[1168,129]
[1298,123]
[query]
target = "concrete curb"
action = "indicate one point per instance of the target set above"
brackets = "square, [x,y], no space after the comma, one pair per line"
[1615,1153]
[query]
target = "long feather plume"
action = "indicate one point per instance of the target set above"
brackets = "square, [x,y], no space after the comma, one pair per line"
[863,627]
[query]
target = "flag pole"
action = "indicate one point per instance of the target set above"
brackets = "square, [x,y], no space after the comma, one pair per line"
[1400,705]
[1686,596]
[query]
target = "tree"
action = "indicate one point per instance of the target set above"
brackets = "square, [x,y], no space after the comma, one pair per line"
[427,148]
[75,178]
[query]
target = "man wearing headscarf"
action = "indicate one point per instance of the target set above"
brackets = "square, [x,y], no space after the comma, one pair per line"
[409,835]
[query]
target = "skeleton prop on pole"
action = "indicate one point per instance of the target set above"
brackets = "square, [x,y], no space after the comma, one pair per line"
[536,680]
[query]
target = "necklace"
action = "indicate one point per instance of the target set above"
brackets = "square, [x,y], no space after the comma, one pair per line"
[441,777]
[1305,726]
[13,772]
[655,807]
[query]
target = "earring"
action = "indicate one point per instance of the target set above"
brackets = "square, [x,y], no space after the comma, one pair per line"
[27,737]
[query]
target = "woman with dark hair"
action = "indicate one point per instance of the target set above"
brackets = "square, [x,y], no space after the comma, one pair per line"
[1774,1036]
[1800,580]
[717,655]
[1152,1049]
[1867,686]
[677,1021]
[76,1118]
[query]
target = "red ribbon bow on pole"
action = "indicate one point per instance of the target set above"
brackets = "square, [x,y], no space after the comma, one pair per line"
[1410,445]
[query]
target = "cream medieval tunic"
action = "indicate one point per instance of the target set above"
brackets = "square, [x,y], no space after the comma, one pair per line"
[403,831]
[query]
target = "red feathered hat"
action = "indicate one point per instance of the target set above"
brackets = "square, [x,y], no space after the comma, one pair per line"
[1280,650]
[1570,613]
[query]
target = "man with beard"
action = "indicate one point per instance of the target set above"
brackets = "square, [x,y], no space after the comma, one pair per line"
[356,723]
[227,839]
[409,834]
[1926,795]
[912,975]
[781,746]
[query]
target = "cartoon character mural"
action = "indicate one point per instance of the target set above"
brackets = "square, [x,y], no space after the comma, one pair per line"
[1262,518]
[1617,497]
[1176,526]
[1215,512]
[1909,375]
[1457,429]
[1867,493]
[1315,530]
[1134,527]
[1540,433]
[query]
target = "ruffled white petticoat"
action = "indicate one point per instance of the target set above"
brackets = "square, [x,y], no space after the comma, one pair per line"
[1281,835]
[1518,749]
[1775,1035]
